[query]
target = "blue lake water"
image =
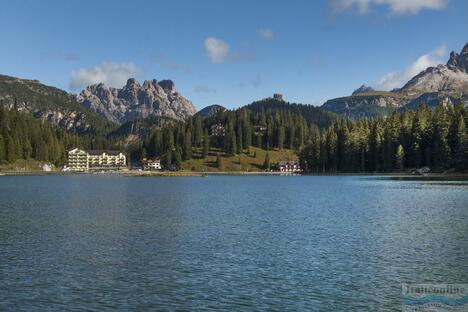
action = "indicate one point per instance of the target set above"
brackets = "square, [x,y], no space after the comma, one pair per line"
[229,243]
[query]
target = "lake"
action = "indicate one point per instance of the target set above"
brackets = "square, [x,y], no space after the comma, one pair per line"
[232,243]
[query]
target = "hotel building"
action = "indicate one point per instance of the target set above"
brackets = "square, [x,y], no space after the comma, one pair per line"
[80,160]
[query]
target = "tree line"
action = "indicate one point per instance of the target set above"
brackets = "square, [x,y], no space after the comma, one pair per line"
[436,138]
[325,143]
[25,137]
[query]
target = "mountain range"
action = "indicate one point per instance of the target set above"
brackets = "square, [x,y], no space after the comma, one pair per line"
[443,83]
[153,98]
[50,104]
[102,109]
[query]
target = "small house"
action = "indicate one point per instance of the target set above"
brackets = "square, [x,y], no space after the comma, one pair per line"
[288,166]
[218,130]
[151,164]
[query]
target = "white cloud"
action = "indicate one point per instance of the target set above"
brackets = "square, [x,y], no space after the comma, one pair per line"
[397,79]
[395,6]
[203,89]
[111,74]
[266,33]
[167,62]
[217,50]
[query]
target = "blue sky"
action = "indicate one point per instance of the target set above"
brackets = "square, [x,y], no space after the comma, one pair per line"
[231,52]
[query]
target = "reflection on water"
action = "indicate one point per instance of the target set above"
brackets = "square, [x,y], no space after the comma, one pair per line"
[226,242]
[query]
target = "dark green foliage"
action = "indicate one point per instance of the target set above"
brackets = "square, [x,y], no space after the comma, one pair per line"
[266,162]
[43,99]
[268,124]
[24,137]
[219,162]
[177,158]
[206,143]
[411,139]
[188,145]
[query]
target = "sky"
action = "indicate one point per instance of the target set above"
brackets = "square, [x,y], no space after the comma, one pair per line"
[230,52]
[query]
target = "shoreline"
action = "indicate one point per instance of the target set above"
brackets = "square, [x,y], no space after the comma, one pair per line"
[396,175]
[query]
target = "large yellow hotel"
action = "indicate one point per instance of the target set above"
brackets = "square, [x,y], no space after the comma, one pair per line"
[81,160]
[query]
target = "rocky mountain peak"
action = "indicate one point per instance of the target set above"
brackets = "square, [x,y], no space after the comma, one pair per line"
[363,89]
[132,83]
[167,85]
[442,83]
[459,61]
[135,100]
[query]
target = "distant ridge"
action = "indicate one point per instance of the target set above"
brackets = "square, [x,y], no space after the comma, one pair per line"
[210,110]
[443,83]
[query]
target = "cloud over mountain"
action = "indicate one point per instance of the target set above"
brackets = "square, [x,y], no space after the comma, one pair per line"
[398,78]
[111,74]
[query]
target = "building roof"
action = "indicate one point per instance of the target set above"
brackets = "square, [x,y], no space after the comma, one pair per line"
[151,160]
[100,152]
[287,162]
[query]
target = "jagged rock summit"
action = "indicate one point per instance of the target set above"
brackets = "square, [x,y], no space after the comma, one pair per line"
[451,79]
[459,61]
[158,98]
[363,89]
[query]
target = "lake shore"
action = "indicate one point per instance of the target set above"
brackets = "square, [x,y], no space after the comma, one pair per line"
[131,173]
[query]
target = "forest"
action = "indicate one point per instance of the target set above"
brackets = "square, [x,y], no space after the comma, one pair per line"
[25,137]
[267,124]
[436,138]
[325,143]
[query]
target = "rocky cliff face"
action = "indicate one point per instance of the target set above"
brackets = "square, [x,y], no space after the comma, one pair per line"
[444,83]
[366,104]
[48,103]
[133,101]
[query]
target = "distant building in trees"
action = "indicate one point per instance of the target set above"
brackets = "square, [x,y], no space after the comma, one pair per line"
[288,166]
[151,164]
[278,96]
[218,130]
[259,129]
[80,160]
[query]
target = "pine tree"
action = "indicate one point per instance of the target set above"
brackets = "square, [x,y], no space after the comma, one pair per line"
[461,146]
[233,145]
[2,149]
[400,157]
[219,162]
[239,137]
[198,131]
[177,158]
[247,132]
[331,150]
[11,149]
[168,160]
[281,135]
[266,163]
[155,144]
[206,143]
[188,145]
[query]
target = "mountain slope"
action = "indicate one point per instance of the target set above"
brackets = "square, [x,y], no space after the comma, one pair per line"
[136,101]
[210,110]
[51,104]
[313,115]
[443,83]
